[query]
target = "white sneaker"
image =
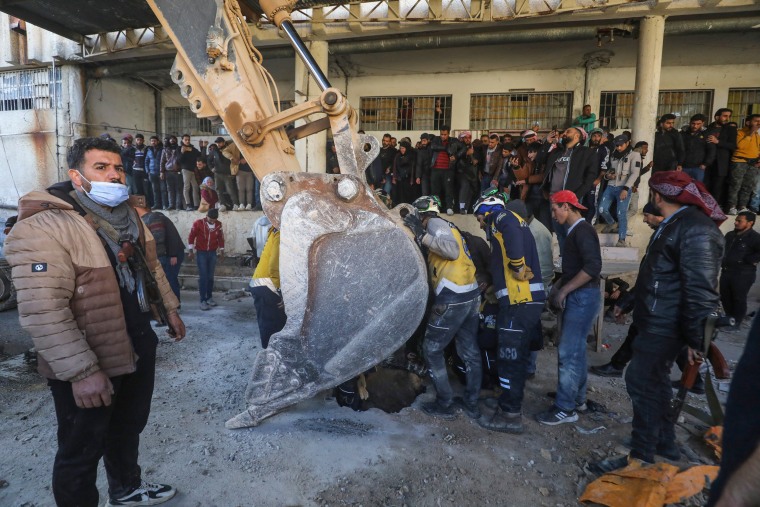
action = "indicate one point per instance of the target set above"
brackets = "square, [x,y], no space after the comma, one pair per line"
[146,494]
[222,208]
[247,207]
[733,211]
[210,302]
[449,211]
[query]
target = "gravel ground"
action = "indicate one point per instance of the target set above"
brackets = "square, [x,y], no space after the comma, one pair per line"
[318,453]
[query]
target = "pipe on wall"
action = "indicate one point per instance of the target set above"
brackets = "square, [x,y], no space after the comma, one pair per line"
[444,40]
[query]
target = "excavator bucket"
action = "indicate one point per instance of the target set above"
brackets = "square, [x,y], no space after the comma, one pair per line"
[353,280]
[354,286]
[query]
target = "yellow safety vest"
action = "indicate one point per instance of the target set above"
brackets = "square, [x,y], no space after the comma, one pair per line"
[457,275]
[267,272]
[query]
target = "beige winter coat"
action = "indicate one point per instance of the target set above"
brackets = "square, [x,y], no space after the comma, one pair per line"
[232,152]
[68,294]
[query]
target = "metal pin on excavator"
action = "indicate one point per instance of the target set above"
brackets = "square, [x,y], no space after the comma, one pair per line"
[347,311]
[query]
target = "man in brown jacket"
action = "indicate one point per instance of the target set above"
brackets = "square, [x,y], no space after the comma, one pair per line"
[78,299]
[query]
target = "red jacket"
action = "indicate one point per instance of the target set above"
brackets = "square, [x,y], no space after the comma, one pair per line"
[210,196]
[204,238]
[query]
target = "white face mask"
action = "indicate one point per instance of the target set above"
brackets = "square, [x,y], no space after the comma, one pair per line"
[106,193]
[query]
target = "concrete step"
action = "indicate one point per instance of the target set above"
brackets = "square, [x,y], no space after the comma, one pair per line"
[620,253]
[229,266]
[221,283]
[191,269]
[609,253]
[608,239]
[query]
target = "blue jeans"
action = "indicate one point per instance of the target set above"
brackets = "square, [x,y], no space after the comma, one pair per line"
[446,322]
[172,272]
[388,185]
[696,173]
[206,264]
[610,193]
[581,308]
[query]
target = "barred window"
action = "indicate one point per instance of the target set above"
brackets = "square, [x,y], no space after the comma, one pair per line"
[418,112]
[181,120]
[30,89]
[743,102]
[616,110]
[520,111]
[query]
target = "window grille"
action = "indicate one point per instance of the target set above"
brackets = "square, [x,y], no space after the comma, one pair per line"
[181,120]
[419,112]
[520,111]
[743,102]
[616,110]
[22,90]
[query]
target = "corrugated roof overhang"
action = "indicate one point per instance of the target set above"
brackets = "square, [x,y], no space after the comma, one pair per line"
[75,19]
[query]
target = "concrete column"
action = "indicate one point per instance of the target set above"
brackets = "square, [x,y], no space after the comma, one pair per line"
[720,98]
[311,151]
[647,91]
[72,115]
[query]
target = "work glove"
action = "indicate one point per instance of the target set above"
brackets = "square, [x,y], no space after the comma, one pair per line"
[524,274]
[415,225]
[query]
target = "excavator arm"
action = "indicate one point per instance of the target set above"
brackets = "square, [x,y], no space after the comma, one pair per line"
[353,281]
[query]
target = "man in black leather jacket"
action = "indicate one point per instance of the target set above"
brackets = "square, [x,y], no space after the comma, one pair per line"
[676,290]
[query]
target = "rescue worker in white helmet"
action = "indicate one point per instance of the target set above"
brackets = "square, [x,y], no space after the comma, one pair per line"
[454,313]
[521,295]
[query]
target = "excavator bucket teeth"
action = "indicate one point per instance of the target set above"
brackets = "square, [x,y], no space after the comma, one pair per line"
[354,285]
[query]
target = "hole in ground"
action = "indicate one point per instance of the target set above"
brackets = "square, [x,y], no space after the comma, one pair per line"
[391,386]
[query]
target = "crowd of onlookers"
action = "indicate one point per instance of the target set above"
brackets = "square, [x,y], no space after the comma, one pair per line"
[604,170]
[176,175]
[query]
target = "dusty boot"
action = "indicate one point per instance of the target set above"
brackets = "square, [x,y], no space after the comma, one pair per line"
[492,403]
[607,370]
[669,451]
[503,422]
[471,410]
[435,409]
[611,464]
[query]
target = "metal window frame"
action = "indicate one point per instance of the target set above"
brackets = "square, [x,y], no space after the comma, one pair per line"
[625,121]
[494,111]
[384,112]
[748,105]
[30,89]
[181,120]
